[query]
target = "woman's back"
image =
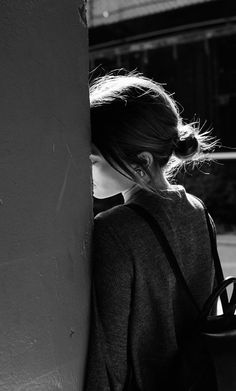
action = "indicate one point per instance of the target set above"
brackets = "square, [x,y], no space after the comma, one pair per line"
[140,313]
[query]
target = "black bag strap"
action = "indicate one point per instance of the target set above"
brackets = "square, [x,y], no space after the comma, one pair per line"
[212,234]
[218,268]
[158,232]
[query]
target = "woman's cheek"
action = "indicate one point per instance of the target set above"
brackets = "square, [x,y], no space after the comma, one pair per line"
[94,172]
[98,178]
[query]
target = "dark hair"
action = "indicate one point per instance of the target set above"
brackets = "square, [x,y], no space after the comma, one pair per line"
[131,114]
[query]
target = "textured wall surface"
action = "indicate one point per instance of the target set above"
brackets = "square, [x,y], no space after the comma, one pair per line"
[45,195]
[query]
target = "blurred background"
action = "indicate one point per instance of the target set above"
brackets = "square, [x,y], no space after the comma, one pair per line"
[190,46]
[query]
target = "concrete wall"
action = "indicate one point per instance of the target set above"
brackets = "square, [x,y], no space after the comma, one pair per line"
[45,195]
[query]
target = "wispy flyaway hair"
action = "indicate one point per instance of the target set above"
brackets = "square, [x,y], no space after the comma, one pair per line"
[131,114]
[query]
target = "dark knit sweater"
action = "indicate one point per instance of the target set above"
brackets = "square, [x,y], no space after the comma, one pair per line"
[136,299]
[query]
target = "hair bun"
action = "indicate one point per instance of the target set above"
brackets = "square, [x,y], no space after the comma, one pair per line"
[186,147]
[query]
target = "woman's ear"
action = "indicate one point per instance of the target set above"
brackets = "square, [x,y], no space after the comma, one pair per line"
[147,158]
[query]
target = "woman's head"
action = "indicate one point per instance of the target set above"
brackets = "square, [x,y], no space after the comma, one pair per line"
[137,129]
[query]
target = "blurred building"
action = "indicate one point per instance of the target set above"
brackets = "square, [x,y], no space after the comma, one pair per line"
[189,45]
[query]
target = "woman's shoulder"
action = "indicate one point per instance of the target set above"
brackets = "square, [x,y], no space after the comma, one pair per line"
[122,220]
[109,213]
[195,201]
[115,218]
[180,193]
[120,225]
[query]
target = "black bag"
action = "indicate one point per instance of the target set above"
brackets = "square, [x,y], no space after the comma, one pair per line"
[214,334]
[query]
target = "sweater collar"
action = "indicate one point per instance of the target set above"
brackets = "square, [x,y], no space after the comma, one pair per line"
[129,194]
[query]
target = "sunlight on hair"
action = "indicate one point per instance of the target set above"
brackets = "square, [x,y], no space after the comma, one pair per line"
[131,113]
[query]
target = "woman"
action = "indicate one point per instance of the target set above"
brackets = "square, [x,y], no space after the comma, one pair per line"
[140,314]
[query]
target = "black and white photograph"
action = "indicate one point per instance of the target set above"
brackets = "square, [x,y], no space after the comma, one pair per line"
[118,195]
